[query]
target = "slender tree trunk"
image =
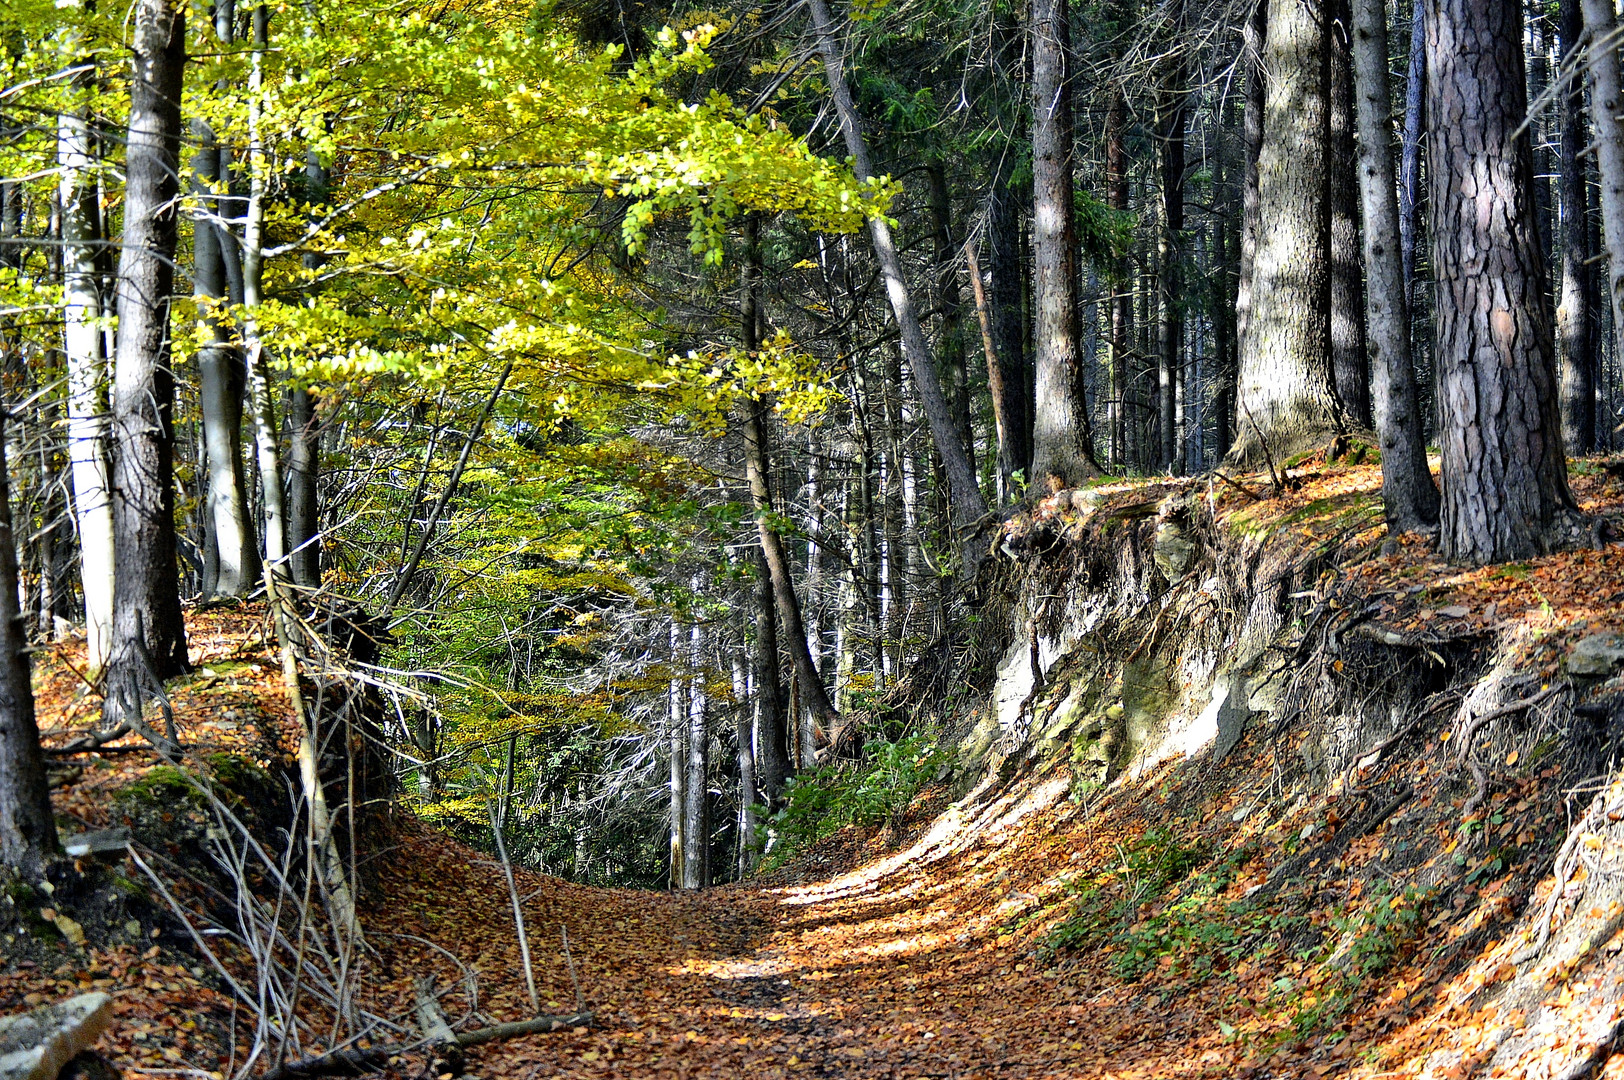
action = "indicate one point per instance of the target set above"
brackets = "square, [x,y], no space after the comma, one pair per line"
[1575,345]
[1606,100]
[1252,144]
[745,760]
[948,302]
[1409,497]
[1116,194]
[304,512]
[1062,445]
[1225,262]
[1505,488]
[82,342]
[995,378]
[696,786]
[1350,361]
[1004,266]
[968,505]
[1409,178]
[676,730]
[27,827]
[1287,401]
[146,599]
[1170,260]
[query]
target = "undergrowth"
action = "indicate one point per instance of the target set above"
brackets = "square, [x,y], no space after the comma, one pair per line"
[867,794]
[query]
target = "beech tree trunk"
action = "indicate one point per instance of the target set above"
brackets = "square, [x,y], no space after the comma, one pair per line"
[1505,488]
[1062,446]
[1575,293]
[27,828]
[146,595]
[84,351]
[968,506]
[1287,402]
[1606,99]
[1350,361]
[1409,497]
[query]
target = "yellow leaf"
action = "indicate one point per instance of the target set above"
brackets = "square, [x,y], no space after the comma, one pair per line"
[1511,758]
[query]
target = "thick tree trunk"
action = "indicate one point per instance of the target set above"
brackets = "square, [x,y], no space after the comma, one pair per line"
[27,828]
[771,733]
[1575,345]
[1062,445]
[146,597]
[1505,488]
[82,342]
[1350,362]
[968,506]
[1606,99]
[1170,284]
[1287,402]
[1222,279]
[1409,497]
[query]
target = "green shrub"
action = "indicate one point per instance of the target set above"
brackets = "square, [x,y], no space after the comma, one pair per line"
[869,793]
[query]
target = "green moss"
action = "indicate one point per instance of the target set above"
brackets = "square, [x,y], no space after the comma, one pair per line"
[162,785]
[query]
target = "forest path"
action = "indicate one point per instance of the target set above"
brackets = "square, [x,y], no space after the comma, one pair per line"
[913,965]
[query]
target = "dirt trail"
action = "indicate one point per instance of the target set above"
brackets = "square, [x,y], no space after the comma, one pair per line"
[903,967]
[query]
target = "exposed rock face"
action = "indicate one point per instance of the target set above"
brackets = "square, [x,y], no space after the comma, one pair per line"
[1597,656]
[37,1045]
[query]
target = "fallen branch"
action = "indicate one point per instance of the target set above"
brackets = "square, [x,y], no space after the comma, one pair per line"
[358,1061]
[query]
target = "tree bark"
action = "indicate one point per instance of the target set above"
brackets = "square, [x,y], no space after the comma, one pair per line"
[1062,445]
[676,731]
[771,734]
[82,341]
[1575,296]
[1116,195]
[146,598]
[949,303]
[1287,402]
[1252,144]
[1350,361]
[1409,180]
[1505,488]
[27,828]
[1409,498]
[1606,99]
[968,505]
[1004,267]
[696,785]
[304,469]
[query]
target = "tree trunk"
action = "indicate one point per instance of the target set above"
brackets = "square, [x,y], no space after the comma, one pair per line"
[1004,266]
[1116,194]
[1350,362]
[1409,497]
[82,342]
[1505,488]
[27,828]
[995,378]
[304,512]
[968,505]
[696,785]
[1575,346]
[771,734]
[745,760]
[756,457]
[1252,141]
[1606,99]
[675,731]
[1170,260]
[1062,446]
[146,598]
[948,303]
[1287,403]
[1409,178]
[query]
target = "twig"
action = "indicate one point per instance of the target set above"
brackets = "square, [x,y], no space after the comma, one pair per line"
[518,910]
[374,1057]
[1238,486]
[564,931]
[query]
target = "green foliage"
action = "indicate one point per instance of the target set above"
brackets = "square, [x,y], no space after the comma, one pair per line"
[1104,234]
[874,792]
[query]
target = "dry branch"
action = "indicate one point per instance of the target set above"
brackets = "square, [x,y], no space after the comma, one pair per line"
[358,1061]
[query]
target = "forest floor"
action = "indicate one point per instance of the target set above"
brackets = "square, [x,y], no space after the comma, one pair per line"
[1023,930]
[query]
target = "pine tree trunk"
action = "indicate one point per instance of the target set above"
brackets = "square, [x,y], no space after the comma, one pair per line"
[82,341]
[1116,195]
[968,505]
[1252,142]
[146,599]
[1409,497]
[1350,361]
[1062,445]
[27,827]
[1606,100]
[1505,489]
[1004,267]
[949,304]
[1575,345]
[771,733]
[1409,177]
[1286,400]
